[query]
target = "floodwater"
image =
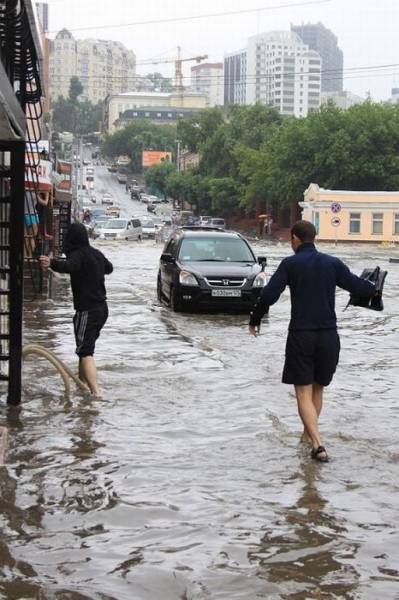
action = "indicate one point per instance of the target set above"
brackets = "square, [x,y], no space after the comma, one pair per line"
[187,480]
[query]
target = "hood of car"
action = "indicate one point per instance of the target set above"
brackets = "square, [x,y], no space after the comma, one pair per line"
[105,230]
[222,269]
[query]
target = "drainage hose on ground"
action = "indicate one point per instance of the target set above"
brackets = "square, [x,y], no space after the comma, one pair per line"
[60,366]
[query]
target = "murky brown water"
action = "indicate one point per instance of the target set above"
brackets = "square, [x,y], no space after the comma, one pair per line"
[187,480]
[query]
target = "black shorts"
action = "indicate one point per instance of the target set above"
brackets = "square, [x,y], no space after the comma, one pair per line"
[311,357]
[87,325]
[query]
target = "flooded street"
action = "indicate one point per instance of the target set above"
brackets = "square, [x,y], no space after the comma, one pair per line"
[187,480]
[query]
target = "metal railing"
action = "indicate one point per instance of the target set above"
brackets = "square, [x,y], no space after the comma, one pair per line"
[20,97]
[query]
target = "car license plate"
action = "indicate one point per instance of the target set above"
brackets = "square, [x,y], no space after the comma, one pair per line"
[226,293]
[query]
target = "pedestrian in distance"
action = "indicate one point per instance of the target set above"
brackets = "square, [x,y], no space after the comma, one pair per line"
[87,267]
[313,345]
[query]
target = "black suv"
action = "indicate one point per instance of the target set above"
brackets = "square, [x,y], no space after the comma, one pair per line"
[209,267]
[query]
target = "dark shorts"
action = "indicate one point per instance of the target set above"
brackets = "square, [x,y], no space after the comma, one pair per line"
[87,325]
[311,357]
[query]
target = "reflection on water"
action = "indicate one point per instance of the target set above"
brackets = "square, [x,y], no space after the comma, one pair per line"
[186,481]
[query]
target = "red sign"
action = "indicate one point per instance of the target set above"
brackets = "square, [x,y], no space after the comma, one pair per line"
[38,177]
[154,157]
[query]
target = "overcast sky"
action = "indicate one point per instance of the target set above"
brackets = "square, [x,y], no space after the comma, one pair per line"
[367,30]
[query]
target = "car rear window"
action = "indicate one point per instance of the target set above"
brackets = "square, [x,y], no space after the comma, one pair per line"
[215,249]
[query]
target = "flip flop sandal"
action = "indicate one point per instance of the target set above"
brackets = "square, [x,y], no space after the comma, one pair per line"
[317,452]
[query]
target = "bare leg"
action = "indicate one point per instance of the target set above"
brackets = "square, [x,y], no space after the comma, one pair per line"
[81,374]
[317,399]
[308,413]
[88,373]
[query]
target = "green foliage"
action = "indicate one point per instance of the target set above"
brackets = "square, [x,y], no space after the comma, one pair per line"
[357,149]
[75,89]
[196,130]
[71,114]
[138,136]
[156,177]
[160,83]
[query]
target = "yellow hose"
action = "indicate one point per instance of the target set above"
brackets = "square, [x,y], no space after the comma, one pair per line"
[60,366]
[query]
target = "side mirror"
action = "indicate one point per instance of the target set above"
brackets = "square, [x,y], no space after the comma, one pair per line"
[262,261]
[167,258]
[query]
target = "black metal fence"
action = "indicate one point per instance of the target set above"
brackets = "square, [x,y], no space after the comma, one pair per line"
[20,96]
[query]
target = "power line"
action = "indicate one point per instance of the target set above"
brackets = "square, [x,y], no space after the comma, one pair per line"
[198,17]
[370,69]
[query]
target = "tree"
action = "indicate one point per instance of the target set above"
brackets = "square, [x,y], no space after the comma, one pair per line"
[357,149]
[160,83]
[196,130]
[156,177]
[77,116]
[138,136]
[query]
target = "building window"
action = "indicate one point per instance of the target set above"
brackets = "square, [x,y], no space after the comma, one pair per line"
[396,224]
[316,221]
[354,223]
[378,219]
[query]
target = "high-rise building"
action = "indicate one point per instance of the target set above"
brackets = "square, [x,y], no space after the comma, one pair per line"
[103,67]
[63,64]
[42,13]
[325,43]
[282,72]
[207,78]
[235,77]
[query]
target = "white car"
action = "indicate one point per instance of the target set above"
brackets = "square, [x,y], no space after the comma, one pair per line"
[107,199]
[148,227]
[122,229]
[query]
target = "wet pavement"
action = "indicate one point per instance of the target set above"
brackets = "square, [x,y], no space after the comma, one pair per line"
[187,480]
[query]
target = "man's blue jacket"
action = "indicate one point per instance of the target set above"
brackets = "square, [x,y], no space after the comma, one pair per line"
[312,278]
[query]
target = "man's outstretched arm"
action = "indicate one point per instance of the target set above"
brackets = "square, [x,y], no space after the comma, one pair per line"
[353,284]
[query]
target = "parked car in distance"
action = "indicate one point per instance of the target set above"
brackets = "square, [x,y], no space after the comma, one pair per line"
[207,267]
[205,220]
[216,222]
[122,229]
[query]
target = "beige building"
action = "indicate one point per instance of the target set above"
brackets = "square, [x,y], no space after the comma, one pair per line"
[343,99]
[117,104]
[349,216]
[104,67]
[208,79]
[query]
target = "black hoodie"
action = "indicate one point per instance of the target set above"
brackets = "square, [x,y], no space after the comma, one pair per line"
[87,267]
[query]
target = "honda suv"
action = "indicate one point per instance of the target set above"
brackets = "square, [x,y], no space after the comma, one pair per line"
[209,267]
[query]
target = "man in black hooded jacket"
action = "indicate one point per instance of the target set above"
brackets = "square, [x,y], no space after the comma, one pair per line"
[87,267]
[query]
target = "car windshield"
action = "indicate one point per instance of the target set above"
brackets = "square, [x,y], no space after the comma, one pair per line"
[148,223]
[218,221]
[117,224]
[219,249]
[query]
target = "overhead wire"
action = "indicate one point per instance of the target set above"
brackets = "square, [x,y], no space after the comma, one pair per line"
[213,15]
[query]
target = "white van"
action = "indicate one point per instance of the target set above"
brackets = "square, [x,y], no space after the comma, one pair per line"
[122,229]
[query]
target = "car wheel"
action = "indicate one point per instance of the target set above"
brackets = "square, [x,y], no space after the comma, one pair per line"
[175,302]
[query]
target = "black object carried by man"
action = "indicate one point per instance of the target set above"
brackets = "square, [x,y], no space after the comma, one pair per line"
[377,277]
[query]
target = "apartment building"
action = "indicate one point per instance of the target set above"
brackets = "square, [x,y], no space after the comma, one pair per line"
[325,43]
[104,67]
[235,77]
[283,72]
[207,78]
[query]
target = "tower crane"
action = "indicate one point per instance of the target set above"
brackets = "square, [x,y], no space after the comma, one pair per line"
[179,87]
